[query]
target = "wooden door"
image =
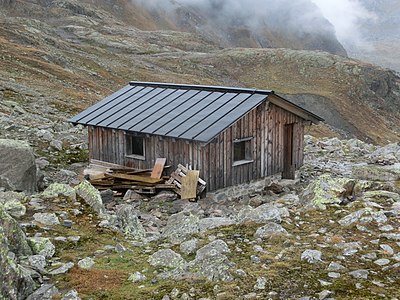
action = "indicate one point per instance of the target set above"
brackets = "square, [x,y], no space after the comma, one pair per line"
[289,170]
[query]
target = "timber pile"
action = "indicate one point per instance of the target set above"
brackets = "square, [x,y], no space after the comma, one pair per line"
[186,183]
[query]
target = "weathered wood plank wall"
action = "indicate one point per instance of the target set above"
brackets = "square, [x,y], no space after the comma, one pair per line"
[264,124]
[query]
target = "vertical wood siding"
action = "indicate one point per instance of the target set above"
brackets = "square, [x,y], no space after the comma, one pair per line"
[265,124]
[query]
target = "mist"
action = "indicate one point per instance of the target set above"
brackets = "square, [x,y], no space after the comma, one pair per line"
[330,19]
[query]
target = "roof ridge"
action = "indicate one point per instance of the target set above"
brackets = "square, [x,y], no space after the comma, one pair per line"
[201,87]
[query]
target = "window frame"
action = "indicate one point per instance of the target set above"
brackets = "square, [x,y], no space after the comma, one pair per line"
[248,153]
[129,139]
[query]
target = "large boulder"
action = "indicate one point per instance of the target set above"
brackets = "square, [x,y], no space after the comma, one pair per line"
[327,189]
[128,222]
[181,226]
[17,166]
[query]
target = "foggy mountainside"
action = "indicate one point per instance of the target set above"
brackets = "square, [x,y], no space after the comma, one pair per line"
[70,231]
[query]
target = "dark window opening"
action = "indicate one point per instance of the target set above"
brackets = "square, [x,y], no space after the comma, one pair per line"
[242,151]
[135,146]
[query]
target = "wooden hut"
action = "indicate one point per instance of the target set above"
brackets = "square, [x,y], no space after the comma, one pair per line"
[232,135]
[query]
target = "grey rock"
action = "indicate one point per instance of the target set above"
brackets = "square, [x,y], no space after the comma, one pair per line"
[260,283]
[38,262]
[333,266]
[369,256]
[71,295]
[46,218]
[56,144]
[67,223]
[120,248]
[324,294]
[241,273]
[15,236]
[334,275]
[396,257]
[352,218]
[211,223]
[270,229]
[62,270]
[13,285]
[382,262]
[132,196]
[386,228]
[359,274]
[311,256]
[377,173]
[262,214]
[42,246]
[45,292]
[189,247]
[56,190]
[137,277]
[392,236]
[379,217]
[91,196]
[128,222]
[12,203]
[165,196]
[86,263]
[213,267]
[181,226]
[214,248]
[325,190]
[107,196]
[166,258]
[17,165]
[387,249]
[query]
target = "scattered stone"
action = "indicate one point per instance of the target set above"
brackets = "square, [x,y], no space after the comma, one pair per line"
[180,226]
[86,263]
[37,262]
[334,275]
[63,269]
[382,262]
[71,295]
[387,249]
[166,258]
[324,294]
[214,248]
[333,266]
[189,247]
[137,277]
[42,246]
[270,229]
[12,203]
[260,284]
[67,223]
[386,228]
[120,248]
[107,196]
[211,223]
[47,219]
[91,196]
[311,256]
[352,218]
[57,190]
[261,214]
[128,222]
[45,292]
[359,274]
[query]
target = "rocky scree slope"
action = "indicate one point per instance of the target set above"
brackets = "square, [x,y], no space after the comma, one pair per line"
[57,64]
[333,234]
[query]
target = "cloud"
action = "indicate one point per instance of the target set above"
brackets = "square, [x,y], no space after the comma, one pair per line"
[346,16]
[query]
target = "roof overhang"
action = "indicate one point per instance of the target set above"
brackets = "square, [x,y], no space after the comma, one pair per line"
[293,108]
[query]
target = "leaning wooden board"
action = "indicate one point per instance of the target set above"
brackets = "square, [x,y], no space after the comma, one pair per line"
[189,185]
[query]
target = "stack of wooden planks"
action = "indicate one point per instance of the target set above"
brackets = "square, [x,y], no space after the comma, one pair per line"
[186,183]
[121,179]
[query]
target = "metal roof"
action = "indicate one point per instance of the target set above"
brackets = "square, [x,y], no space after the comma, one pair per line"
[192,112]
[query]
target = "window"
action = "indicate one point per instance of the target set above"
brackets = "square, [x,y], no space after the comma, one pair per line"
[242,151]
[135,147]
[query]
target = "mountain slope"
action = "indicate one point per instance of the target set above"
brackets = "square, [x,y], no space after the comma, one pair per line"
[55,66]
